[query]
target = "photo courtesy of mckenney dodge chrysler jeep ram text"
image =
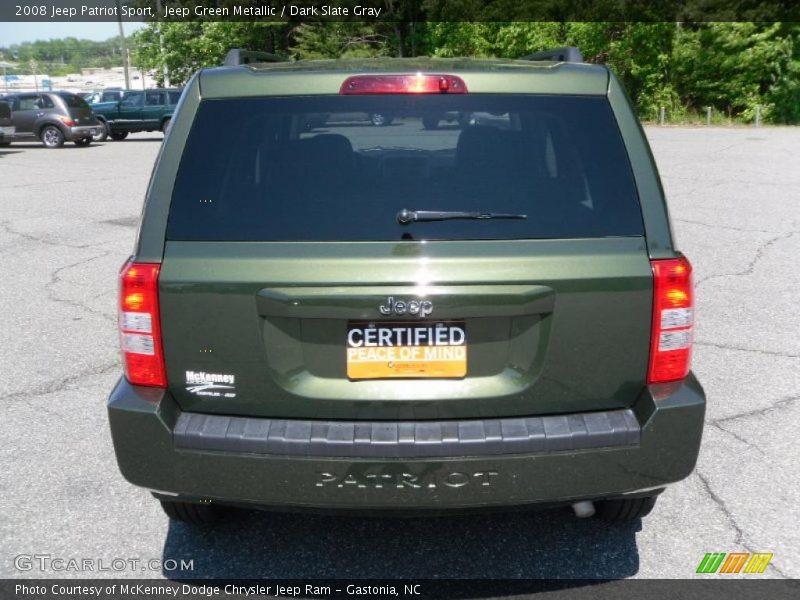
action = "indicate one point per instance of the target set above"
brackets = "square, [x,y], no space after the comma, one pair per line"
[326,314]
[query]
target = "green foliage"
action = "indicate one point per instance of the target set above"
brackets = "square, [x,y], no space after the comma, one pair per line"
[189,46]
[733,67]
[684,67]
[63,56]
[339,40]
[448,39]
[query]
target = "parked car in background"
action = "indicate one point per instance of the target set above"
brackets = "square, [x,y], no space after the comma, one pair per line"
[138,110]
[6,125]
[318,120]
[433,120]
[106,95]
[53,118]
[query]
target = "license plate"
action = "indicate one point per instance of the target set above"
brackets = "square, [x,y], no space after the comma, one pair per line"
[390,350]
[93,131]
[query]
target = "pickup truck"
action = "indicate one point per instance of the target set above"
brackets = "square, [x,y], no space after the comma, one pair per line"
[139,110]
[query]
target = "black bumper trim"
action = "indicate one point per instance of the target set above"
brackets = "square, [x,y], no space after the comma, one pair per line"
[417,439]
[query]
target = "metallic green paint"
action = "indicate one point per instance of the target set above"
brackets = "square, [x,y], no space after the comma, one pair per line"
[651,193]
[142,421]
[554,327]
[582,346]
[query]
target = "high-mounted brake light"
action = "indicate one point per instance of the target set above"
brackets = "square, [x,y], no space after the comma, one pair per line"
[673,319]
[140,325]
[413,83]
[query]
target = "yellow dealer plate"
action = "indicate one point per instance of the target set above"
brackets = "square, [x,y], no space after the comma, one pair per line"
[381,350]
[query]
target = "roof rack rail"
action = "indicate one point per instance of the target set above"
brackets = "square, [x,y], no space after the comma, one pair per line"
[564,54]
[238,56]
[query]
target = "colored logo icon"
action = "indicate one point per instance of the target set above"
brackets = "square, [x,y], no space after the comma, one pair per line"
[734,562]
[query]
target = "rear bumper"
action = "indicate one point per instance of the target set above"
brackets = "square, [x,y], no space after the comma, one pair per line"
[465,464]
[82,132]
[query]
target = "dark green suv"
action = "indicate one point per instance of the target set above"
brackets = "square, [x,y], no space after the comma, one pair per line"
[137,110]
[487,313]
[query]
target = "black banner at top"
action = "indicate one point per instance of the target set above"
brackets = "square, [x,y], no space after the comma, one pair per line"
[399,10]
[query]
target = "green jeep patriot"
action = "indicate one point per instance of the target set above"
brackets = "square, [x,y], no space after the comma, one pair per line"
[489,312]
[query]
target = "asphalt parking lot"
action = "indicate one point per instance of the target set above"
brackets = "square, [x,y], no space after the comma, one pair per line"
[68,221]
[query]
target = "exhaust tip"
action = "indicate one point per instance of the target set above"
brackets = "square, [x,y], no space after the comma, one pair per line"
[583,510]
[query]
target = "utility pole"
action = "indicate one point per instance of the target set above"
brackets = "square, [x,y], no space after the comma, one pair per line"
[161,46]
[125,55]
[5,66]
[34,66]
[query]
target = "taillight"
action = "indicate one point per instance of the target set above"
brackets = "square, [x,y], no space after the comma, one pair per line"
[673,318]
[415,83]
[66,120]
[140,326]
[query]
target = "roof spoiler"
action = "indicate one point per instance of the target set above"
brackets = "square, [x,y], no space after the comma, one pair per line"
[238,56]
[564,54]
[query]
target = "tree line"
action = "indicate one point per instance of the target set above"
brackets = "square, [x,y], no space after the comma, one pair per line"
[731,67]
[63,56]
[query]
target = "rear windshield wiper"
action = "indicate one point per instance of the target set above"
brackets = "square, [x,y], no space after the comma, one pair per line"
[405,216]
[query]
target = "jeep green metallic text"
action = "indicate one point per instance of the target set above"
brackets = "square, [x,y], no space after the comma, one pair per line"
[486,313]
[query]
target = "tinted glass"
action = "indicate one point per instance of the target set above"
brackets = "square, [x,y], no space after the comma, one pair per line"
[26,102]
[45,102]
[174,97]
[74,101]
[342,167]
[132,100]
[153,98]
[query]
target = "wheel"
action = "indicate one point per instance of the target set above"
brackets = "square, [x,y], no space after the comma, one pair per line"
[188,512]
[51,137]
[83,141]
[118,135]
[430,122]
[103,135]
[380,119]
[165,125]
[627,509]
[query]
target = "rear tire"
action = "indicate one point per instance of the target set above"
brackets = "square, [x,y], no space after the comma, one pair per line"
[118,136]
[625,509]
[188,512]
[165,125]
[51,136]
[103,135]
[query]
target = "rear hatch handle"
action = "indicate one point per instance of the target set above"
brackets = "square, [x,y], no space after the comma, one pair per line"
[445,302]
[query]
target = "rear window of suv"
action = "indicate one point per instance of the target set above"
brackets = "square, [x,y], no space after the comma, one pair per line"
[74,101]
[340,168]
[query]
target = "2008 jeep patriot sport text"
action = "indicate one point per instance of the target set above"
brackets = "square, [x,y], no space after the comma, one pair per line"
[473,301]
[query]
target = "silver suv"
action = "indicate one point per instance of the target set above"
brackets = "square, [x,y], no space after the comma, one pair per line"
[53,118]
